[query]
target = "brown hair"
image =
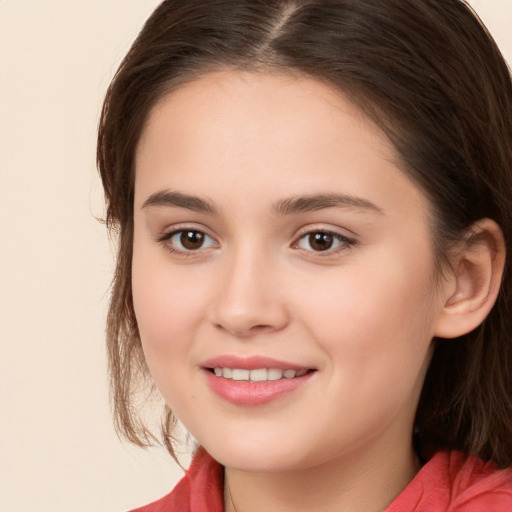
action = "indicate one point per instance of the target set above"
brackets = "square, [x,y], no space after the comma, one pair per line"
[430,75]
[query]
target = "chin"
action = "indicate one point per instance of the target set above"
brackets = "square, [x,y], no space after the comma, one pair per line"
[256,457]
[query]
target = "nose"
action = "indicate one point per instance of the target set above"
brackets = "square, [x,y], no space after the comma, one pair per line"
[249,300]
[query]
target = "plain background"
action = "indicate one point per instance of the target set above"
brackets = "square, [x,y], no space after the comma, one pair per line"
[58,450]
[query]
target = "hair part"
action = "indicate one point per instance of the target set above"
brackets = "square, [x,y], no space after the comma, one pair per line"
[429,74]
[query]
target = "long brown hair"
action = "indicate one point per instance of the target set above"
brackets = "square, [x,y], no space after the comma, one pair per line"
[430,75]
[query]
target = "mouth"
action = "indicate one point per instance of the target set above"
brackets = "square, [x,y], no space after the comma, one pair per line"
[255,380]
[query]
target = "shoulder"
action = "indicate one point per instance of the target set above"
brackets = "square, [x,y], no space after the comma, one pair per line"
[454,482]
[200,489]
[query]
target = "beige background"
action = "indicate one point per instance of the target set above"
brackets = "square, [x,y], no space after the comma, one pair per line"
[58,451]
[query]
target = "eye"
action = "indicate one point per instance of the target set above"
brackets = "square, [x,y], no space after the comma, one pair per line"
[323,241]
[187,240]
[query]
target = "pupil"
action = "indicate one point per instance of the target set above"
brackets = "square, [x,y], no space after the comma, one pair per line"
[192,239]
[321,241]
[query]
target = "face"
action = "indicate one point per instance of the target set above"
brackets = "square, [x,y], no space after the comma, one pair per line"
[283,277]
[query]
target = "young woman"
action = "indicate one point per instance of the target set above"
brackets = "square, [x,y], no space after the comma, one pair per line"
[312,199]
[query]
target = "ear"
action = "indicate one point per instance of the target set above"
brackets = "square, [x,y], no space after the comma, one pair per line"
[473,281]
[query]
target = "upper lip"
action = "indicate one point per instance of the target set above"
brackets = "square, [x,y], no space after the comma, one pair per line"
[251,363]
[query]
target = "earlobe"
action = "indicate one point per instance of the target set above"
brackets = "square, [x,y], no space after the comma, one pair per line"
[474,282]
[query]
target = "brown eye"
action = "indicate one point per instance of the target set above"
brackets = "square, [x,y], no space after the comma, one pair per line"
[187,240]
[324,241]
[192,240]
[320,241]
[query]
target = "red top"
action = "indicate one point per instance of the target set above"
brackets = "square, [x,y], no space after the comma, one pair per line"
[449,482]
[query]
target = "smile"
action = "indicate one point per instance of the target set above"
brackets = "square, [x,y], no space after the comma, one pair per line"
[258,375]
[256,386]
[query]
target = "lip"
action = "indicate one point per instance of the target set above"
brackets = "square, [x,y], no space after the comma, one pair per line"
[250,393]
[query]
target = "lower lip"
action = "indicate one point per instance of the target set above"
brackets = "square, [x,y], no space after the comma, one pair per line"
[242,392]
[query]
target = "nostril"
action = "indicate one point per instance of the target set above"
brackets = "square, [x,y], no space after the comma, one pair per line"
[261,327]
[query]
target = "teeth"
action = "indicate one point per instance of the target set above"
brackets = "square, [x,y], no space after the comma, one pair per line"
[275,374]
[258,375]
[240,374]
[227,373]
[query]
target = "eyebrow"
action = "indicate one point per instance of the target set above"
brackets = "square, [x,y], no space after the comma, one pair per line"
[180,200]
[315,202]
[289,206]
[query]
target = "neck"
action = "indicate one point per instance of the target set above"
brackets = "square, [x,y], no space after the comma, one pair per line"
[351,483]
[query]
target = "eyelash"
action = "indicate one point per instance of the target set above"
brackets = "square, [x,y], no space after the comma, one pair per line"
[166,238]
[344,242]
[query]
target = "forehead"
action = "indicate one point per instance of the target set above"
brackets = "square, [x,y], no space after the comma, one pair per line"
[253,128]
[228,105]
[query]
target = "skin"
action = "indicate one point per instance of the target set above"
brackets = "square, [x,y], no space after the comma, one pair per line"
[362,313]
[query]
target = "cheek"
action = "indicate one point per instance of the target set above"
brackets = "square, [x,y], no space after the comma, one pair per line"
[374,329]
[375,315]
[166,303]
[164,316]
